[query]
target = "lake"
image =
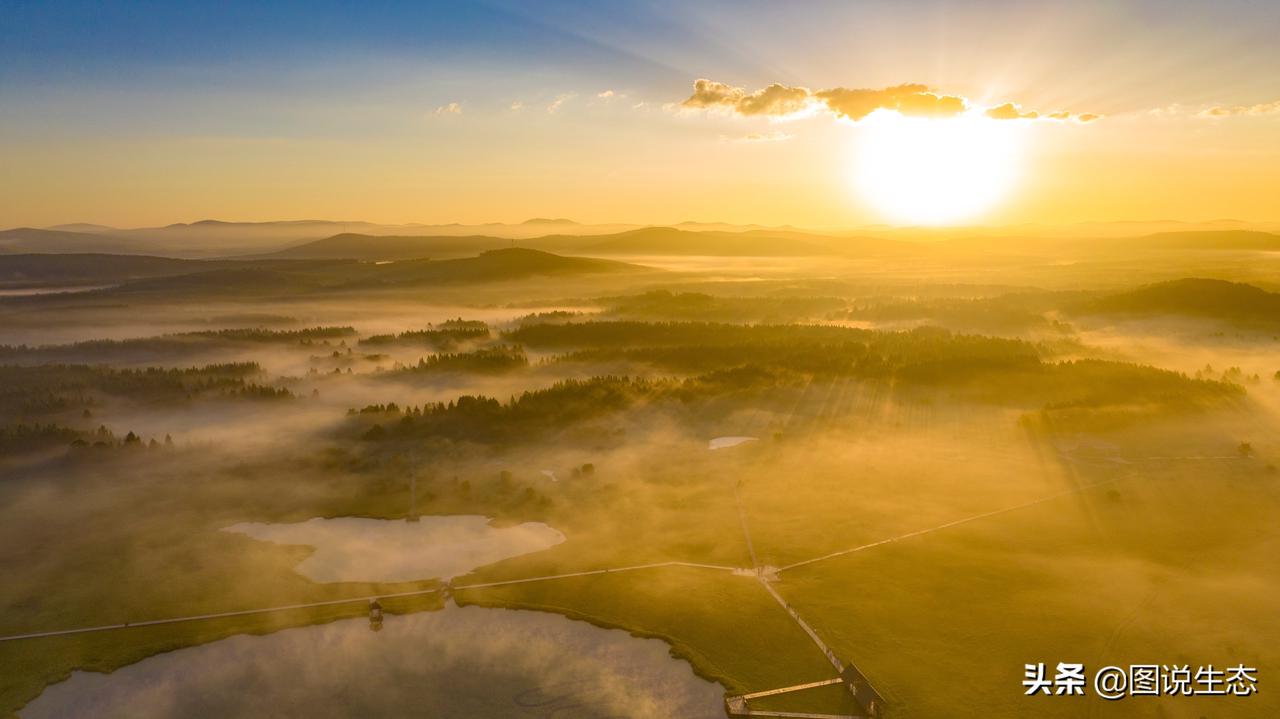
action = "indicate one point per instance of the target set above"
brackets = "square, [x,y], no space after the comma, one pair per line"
[458,663]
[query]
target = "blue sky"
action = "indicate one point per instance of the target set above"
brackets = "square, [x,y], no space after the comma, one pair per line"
[649,46]
[76,43]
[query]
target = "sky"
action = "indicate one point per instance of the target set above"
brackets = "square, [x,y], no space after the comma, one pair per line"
[138,114]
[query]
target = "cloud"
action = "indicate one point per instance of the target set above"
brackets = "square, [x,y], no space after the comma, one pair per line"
[774,100]
[559,102]
[910,99]
[779,100]
[606,94]
[452,108]
[1172,110]
[1014,111]
[709,94]
[517,105]
[760,137]
[1263,108]
[1011,111]
[927,104]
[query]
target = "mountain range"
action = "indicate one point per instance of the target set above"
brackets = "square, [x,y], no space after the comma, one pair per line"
[323,239]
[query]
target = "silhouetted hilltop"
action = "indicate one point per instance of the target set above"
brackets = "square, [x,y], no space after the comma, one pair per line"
[89,268]
[233,281]
[1213,240]
[548,221]
[671,241]
[1195,297]
[355,246]
[146,271]
[645,241]
[82,227]
[495,265]
[33,240]
[273,278]
[327,239]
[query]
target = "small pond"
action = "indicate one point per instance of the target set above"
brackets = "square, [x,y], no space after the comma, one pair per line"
[727,442]
[358,549]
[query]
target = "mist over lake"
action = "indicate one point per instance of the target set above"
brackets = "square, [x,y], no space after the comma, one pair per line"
[356,549]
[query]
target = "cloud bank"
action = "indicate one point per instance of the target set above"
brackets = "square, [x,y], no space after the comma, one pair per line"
[775,100]
[909,99]
[1263,108]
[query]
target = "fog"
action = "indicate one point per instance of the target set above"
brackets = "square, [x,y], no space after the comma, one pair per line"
[946,468]
[357,549]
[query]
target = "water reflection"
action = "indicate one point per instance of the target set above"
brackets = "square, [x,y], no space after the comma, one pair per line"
[459,663]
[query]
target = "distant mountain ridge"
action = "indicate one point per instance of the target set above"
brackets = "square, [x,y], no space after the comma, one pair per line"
[672,241]
[356,246]
[211,238]
[133,275]
[36,240]
[548,221]
[513,263]
[638,242]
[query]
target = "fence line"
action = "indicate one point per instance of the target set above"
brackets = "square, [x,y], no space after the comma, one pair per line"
[350,600]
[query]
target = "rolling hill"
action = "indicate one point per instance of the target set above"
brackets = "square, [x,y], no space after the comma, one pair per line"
[33,240]
[217,238]
[1233,302]
[1211,240]
[229,281]
[641,242]
[72,269]
[28,270]
[671,241]
[158,276]
[515,263]
[355,246]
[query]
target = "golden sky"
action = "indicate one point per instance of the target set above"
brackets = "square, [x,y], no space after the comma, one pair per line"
[640,112]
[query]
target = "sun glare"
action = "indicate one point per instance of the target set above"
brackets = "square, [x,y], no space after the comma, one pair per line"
[935,171]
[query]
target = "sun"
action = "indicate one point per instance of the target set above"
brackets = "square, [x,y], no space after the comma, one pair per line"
[930,171]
